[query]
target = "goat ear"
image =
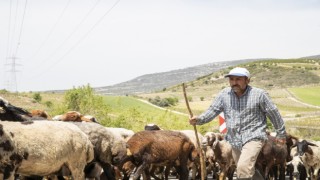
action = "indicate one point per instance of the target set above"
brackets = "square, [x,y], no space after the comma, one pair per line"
[311,144]
[294,145]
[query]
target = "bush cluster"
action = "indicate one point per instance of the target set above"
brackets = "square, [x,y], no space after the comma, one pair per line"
[84,100]
[165,102]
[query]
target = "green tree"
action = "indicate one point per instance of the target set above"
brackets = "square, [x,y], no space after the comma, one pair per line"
[84,100]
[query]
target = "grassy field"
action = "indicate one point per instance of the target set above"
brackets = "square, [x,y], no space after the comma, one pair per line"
[138,113]
[294,112]
[308,95]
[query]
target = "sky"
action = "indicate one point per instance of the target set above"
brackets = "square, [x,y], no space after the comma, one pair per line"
[62,44]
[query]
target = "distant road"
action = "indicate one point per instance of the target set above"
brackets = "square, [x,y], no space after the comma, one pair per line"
[291,96]
[176,112]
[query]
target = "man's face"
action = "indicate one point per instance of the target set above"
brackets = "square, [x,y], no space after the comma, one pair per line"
[238,83]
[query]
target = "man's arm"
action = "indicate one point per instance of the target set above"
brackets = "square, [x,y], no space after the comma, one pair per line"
[213,111]
[273,114]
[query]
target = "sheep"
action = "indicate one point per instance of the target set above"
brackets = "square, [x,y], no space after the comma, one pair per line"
[43,148]
[109,148]
[272,152]
[10,112]
[146,148]
[123,132]
[74,116]
[125,135]
[40,113]
[91,118]
[310,156]
[271,155]
[94,170]
[298,169]
[222,151]
[290,141]
[152,127]
[207,142]
[196,164]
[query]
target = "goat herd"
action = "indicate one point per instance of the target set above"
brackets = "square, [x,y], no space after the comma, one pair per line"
[74,146]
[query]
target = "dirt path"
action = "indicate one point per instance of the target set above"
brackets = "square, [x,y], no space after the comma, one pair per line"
[290,96]
[176,112]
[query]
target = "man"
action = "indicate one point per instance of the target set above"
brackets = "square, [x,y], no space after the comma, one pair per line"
[246,110]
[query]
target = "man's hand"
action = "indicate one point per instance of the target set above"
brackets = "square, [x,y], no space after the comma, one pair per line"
[281,140]
[193,120]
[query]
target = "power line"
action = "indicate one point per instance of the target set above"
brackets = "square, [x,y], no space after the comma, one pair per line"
[14,29]
[8,44]
[78,42]
[12,82]
[51,30]
[71,34]
[9,30]
[21,27]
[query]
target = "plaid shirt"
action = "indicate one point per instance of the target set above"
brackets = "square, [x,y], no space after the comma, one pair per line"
[245,116]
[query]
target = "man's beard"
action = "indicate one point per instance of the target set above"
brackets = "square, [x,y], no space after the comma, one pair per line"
[236,88]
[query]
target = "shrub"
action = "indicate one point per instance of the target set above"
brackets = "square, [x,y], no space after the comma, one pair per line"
[37,97]
[84,100]
[49,104]
[172,101]
[165,102]
[3,91]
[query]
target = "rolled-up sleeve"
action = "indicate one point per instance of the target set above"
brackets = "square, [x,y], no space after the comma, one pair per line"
[273,114]
[213,111]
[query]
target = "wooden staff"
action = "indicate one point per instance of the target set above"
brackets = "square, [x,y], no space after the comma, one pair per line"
[202,162]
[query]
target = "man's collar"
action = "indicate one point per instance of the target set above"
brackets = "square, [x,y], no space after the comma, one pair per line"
[245,92]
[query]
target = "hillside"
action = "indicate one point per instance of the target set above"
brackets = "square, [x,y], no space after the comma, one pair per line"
[281,79]
[311,57]
[270,75]
[158,81]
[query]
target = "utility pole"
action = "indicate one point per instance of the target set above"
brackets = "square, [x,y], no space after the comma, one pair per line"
[12,83]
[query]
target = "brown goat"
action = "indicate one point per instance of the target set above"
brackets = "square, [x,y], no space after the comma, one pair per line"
[147,148]
[272,154]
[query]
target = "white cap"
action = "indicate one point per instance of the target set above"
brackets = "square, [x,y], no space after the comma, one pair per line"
[238,71]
